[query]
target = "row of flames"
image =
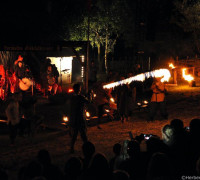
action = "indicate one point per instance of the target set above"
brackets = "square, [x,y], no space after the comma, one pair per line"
[164,73]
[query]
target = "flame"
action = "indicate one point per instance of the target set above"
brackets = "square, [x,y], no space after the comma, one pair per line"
[70,90]
[171,65]
[65,118]
[187,77]
[87,114]
[112,100]
[141,77]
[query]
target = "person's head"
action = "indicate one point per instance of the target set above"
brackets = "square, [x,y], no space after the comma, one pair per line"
[120,175]
[178,125]
[77,88]
[117,149]
[43,157]
[99,162]
[88,149]
[133,148]
[49,68]
[195,127]
[73,167]
[168,134]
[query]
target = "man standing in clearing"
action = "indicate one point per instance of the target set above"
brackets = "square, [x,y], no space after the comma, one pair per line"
[77,121]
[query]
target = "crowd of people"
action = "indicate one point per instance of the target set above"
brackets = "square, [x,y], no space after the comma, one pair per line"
[174,156]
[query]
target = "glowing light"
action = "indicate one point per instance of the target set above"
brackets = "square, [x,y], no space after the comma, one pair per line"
[70,90]
[87,114]
[164,73]
[94,95]
[3,121]
[187,77]
[171,65]
[112,100]
[65,119]
[107,110]
[146,102]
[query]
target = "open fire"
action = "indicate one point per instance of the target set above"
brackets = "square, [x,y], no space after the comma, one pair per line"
[187,77]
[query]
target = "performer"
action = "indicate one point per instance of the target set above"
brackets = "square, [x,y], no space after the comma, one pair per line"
[23,75]
[158,99]
[77,121]
[51,79]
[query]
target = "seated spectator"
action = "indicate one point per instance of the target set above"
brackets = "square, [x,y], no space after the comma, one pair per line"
[73,169]
[168,135]
[98,169]
[3,174]
[194,145]
[50,171]
[198,167]
[159,167]
[32,170]
[88,150]
[120,175]
[179,148]
[132,165]
[114,162]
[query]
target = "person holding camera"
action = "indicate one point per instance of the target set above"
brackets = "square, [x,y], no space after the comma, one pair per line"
[158,99]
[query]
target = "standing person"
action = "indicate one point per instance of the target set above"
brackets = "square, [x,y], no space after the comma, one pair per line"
[122,101]
[12,113]
[158,99]
[92,74]
[50,79]
[102,98]
[77,121]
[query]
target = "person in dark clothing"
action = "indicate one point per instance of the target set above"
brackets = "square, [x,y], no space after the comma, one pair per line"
[49,170]
[113,161]
[88,150]
[132,165]
[122,101]
[73,168]
[77,121]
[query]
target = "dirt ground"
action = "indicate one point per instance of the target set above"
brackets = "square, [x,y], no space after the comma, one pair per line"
[182,102]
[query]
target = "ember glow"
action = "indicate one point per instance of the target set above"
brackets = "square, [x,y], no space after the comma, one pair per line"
[187,77]
[171,66]
[141,77]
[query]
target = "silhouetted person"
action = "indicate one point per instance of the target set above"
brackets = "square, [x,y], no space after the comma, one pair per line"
[159,167]
[98,169]
[194,145]
[120,175]
[122,101]
[73,168]
[132,165]
[88,150]
[114,162]
[50,171]
[77,121]
[180,147]
[32,170]
[3,175]
[13,120]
